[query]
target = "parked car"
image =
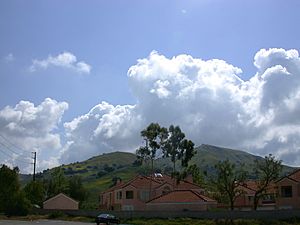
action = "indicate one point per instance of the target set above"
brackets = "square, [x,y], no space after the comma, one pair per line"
[107,219]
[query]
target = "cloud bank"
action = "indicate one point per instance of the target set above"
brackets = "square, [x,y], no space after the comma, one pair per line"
[208,99]
[64,60]
[26,128]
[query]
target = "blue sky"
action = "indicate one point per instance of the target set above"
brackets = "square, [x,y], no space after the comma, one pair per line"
[110,36]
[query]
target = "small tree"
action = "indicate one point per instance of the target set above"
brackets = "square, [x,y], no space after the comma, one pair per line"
[35,192]
[228,181]
[195,172]
[267,172]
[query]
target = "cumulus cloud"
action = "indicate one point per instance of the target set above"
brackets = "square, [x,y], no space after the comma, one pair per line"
[26,128]
[65,60]
[210,102]
[206,98]
[104,128]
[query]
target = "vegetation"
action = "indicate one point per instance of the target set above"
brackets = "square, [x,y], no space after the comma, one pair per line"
[228,181]
[12,198]
[153,136]
[177,147]
[125,166]
[267,171]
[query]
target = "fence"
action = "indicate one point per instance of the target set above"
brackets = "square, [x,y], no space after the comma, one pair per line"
[263,215]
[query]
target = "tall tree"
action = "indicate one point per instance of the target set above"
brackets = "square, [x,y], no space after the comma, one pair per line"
[12,199]
[76,189]
[175,146]
[228,181]
[152,136]
[57,183]
[267,172]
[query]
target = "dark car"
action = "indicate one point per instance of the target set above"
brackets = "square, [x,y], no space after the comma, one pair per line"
[107,219]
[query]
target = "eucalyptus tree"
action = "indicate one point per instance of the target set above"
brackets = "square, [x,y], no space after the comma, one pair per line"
[175,146]
[152,136]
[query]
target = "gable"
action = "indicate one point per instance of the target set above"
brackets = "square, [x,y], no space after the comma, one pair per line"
[60,197]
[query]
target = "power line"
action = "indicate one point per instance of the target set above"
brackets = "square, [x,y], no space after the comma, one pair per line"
[4,152]
[14,145]
[8,148]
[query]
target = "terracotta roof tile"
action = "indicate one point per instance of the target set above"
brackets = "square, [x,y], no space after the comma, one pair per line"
[295,175]
[181,196]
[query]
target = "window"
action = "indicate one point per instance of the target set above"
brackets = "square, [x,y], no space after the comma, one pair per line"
[250,198]
[119,195]
[129,194]
[268,199]
[286,191]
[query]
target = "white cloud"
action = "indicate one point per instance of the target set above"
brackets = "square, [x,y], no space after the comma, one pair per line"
[9,58]
[104,128]
[31,128]
[208,99]
[65,60]
[210,102]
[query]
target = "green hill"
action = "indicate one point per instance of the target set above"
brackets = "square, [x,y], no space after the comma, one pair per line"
[207,156]
[97,172]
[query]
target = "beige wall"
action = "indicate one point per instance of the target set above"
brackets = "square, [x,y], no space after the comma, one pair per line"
[288,202]
[60,202]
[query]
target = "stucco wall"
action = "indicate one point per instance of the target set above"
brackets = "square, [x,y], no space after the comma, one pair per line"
[60,202]
[288,202]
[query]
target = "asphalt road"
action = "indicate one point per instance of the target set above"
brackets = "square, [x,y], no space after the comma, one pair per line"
[42,222]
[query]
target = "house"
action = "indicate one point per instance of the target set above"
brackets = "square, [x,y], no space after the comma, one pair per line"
[289,191]
[181,200]
[134,194]
[61,201]
[246,200]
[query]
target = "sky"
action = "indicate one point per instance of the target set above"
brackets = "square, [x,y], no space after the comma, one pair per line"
[78,79]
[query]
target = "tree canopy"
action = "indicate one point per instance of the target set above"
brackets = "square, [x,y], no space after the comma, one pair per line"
[267,172]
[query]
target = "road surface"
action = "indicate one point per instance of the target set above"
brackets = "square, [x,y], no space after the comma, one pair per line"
[42,222]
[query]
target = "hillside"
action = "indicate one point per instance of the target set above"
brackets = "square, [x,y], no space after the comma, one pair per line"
[97,172]
[207,156]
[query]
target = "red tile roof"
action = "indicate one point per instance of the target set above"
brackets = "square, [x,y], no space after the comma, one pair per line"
[181,196]
[143,182]
[295,175]
[250,186]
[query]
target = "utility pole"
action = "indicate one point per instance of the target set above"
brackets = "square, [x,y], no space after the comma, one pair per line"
[34,164]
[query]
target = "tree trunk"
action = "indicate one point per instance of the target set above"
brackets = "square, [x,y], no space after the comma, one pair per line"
[255,202]
[174,171]
[231,204]
[151,174]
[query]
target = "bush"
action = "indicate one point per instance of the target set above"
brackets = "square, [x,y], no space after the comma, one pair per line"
[18,205]
[56,214]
